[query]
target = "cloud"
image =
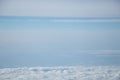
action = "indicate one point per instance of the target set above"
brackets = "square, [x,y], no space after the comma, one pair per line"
[92,20]
[101,52]
[61,73]
[57,19]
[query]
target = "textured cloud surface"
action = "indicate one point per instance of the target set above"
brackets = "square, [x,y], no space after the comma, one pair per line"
[61,73]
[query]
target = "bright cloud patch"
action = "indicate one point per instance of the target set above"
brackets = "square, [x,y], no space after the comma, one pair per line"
[61,73]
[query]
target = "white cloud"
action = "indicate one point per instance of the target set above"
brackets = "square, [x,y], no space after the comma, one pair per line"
[91,20]
[61,73]
[62,19]
[101,52]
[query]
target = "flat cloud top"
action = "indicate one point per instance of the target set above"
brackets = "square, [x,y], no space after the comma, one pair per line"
[61,73]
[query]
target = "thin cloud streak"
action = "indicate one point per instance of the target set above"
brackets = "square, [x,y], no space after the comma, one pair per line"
[57,19]
[98,20]
[100,52]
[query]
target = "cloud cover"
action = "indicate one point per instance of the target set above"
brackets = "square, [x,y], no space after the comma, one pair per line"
[61,73]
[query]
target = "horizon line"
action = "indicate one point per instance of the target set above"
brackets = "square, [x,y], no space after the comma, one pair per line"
[7,16]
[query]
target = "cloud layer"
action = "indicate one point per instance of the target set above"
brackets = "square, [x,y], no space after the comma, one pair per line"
[61,73]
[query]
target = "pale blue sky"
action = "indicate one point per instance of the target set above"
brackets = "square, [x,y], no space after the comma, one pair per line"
[60,8]
[45,43]
[59,32]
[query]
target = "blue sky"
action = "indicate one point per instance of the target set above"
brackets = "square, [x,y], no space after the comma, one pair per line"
[59,32]
[44,43]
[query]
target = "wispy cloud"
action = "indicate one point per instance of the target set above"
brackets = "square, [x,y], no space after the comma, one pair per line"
[91,20]
[100,52]
[57,19]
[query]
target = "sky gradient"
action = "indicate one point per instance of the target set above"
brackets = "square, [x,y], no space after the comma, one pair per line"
[40,42]
[59,32]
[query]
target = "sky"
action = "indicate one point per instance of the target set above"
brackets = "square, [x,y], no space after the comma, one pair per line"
[60,8]
[59,32]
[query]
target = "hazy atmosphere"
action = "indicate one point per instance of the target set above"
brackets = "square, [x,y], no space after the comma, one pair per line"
[51,39]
